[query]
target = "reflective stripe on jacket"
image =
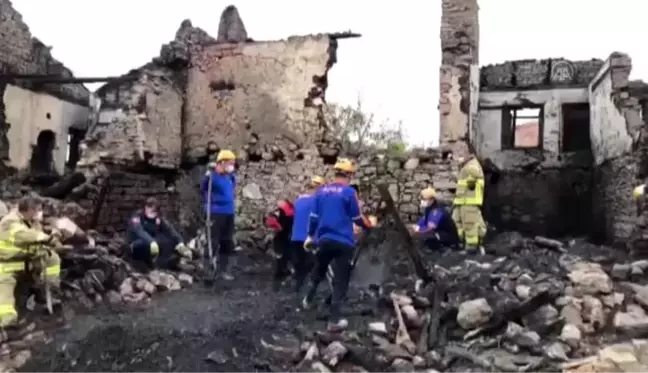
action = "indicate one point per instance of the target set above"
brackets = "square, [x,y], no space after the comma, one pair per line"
[471,172]
[16,238]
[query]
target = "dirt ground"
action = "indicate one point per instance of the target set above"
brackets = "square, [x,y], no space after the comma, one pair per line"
[195,329]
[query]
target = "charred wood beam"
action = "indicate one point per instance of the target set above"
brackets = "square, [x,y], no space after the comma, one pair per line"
[513,313]
[54,79]
[344,35]
[103,194]
[64,187]
[419,267]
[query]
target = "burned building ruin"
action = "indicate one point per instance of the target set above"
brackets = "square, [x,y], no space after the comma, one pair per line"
[562,140]
[39,118]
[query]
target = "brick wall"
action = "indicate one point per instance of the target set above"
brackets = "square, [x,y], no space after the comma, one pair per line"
[125,193]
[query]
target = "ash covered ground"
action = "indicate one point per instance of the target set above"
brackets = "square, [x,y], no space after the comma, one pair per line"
[470,313]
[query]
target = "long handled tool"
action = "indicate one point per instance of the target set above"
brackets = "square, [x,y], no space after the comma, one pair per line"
[208,223]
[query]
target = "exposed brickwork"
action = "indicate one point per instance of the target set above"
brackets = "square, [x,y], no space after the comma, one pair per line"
[126,192]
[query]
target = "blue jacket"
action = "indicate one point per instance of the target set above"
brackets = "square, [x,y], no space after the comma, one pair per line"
[223,193]
[142,228]
[303,207]
[335,210]
[437,218]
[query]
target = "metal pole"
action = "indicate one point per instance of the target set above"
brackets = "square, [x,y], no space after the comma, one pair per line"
[208,223]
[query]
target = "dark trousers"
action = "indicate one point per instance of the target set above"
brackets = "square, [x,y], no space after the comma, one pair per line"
[222,239]
[339,256]
[294,253]
[168,258]
[440,239]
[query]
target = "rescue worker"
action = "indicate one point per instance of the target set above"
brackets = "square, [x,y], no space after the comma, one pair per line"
[638,240]
[335,210]
[281,221]
[301,259]
[153,240]
[469,198]
[20,244]
[220,206]
[436,226]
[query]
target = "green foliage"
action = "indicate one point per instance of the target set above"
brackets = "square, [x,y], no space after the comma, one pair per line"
[358,130]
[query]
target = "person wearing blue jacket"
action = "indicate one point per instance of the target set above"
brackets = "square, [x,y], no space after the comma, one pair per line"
[220,206]
[153,240]
[303,206]
[335,211]
[435,227]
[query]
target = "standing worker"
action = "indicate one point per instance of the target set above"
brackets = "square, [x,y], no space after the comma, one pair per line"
[303,208]
[468,202]
[281,221]
[20,242]
[153,240]
[219,189]
[436,226]
[638,240]
[335,210]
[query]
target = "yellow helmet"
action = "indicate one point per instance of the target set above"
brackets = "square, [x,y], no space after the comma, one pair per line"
[637,192]
[317,180]
[428,193]
[344,165]
[225,155]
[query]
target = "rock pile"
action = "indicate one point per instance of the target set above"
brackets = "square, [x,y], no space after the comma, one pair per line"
[527,305]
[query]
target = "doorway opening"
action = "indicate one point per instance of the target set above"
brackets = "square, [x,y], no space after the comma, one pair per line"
[42,159]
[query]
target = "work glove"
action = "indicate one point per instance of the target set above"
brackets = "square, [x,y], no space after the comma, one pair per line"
[155,249]
[373,220]
[309,244]
[183,250]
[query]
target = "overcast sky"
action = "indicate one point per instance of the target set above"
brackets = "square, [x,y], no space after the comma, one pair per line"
[394,66]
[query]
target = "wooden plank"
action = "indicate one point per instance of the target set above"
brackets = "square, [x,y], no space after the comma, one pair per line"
[415,256]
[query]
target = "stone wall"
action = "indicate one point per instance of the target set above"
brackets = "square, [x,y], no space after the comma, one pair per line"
[20,53]
[145,124]
[460,58]
[620,147]
[262,97]
[262,183]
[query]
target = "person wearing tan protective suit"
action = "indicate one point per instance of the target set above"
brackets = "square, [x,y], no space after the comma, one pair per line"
[469,198]
[24,246]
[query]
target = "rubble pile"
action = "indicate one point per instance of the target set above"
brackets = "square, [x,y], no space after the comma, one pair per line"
[526,305]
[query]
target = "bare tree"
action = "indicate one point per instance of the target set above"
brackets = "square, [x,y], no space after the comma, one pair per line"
[357,129]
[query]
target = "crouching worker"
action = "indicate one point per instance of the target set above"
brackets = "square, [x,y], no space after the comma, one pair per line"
[436,227]
[153,240]
[280,220]
[22,246]
[335,211]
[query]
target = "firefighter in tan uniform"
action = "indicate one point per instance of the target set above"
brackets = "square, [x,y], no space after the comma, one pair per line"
[468,202]
[20,244]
